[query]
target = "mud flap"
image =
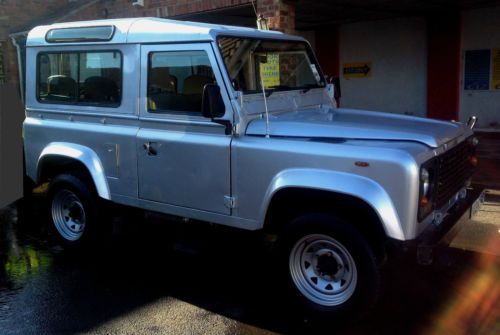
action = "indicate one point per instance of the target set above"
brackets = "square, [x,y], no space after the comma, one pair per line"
[11,145]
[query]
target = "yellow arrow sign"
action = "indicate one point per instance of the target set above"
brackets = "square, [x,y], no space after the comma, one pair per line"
[495,78]
[357,70]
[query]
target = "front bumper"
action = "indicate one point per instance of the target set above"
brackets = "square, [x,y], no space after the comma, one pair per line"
[435,236]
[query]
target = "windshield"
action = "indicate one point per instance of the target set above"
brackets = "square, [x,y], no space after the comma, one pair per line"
[278,65]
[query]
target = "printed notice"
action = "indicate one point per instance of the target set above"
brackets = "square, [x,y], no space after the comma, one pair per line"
[477,70]
[495,73]
[270,71]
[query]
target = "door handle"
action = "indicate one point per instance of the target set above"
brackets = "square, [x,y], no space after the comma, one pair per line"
[150,150]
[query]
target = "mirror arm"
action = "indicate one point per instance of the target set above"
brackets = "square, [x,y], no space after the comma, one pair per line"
[227,124]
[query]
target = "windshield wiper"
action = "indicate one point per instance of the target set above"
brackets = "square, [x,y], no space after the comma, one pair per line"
[304,89]
[307,88]
[277,88]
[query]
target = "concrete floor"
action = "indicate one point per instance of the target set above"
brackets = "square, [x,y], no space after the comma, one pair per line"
[483,233]
[160,278]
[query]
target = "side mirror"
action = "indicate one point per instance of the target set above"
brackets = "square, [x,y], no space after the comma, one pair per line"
[333,89]
[212,105]
[337,94]
[472,122]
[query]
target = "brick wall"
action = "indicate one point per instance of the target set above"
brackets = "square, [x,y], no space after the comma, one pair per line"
[155,8]
[281,14]
[15,14]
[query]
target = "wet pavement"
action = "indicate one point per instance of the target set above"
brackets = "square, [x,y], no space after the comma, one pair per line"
[162,277]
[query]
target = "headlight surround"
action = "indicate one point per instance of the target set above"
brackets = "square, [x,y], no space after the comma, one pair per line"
[473,142]
[427,185]
[424,181]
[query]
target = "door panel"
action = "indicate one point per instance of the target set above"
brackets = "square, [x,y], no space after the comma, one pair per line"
[183,158]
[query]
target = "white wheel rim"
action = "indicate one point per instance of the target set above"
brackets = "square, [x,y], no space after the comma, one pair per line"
[323,270]
[68,215]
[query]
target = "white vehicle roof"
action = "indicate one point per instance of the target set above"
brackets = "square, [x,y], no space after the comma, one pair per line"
[153,30]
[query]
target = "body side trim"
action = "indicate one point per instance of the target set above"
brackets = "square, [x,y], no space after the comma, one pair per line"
[194,214]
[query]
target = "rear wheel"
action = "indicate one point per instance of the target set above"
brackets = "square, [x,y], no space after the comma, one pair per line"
[331,268]
[69,215]
[73,210]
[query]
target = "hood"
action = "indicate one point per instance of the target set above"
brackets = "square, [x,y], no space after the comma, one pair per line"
[358,124]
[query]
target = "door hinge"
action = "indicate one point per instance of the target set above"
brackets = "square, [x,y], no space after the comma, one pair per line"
[229,202]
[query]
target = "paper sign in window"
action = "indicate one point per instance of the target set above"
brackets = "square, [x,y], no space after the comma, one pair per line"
[270,71]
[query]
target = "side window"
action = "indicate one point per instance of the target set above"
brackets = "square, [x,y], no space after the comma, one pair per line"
[176,80]
[86,78]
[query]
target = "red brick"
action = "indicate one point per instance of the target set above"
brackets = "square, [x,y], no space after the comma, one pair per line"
[281,15]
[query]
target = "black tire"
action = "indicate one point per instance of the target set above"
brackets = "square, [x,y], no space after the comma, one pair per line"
[329,286]
[74,211]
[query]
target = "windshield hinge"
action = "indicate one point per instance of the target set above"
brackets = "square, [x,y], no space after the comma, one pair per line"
[229,202]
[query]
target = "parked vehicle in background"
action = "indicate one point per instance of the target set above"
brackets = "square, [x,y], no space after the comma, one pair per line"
[235,126]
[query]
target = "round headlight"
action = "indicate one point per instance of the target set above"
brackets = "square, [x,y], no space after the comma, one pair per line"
[424,181]
[475,141]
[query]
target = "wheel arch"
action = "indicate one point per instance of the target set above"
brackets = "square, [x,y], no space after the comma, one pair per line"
[296,191]
[60,157]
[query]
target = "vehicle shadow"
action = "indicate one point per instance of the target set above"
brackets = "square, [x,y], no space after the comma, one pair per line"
[47,289]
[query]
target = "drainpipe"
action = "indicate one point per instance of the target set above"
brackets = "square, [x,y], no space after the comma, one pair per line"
[19,67]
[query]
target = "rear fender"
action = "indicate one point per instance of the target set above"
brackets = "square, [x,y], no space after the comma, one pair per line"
[85,156]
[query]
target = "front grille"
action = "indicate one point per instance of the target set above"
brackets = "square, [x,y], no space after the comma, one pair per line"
[453,169]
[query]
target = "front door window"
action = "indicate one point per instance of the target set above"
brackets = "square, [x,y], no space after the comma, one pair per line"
[176,81]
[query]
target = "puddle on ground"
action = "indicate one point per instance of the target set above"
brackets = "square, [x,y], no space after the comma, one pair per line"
[19,261]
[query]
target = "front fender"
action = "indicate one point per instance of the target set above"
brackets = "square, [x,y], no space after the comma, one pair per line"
[340,182]
[84,155]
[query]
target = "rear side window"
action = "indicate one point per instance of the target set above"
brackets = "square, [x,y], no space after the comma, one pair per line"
[176,80]
[86,78]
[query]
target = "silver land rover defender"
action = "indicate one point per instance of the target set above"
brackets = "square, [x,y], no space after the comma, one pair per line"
[237,127]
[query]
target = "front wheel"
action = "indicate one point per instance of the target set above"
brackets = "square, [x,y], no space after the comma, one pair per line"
[323,270]
[330,266]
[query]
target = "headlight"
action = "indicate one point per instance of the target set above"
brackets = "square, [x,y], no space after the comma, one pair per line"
[424,181]
[427,180]
[474,141]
